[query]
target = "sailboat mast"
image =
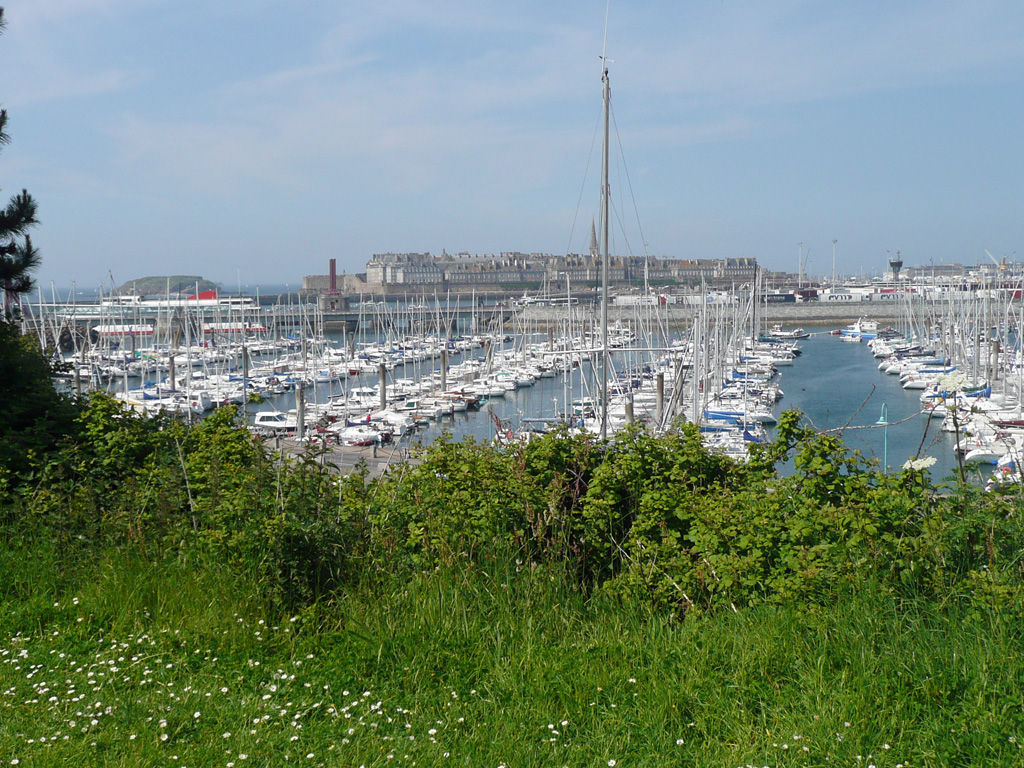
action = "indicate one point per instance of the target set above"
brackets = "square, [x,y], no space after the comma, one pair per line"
[604,258]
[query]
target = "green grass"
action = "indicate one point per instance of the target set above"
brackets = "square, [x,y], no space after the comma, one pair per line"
[126,662]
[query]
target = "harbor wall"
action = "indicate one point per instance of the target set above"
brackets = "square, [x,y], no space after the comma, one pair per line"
[803,313]
[819,313]
[810,313]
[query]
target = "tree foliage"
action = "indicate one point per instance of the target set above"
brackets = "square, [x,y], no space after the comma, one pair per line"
[35,415]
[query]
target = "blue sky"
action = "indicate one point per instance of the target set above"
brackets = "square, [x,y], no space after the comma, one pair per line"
[251,142]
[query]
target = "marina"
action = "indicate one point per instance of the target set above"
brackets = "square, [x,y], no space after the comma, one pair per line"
[411,373]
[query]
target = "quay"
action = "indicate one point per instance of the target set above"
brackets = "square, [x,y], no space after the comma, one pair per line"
[344,459]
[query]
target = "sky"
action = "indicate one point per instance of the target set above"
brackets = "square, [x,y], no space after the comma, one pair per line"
[250,143]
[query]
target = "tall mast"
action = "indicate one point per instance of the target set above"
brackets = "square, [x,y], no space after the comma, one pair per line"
[604,256]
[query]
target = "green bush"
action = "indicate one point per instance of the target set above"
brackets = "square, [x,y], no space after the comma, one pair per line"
[463,499]
[658,520]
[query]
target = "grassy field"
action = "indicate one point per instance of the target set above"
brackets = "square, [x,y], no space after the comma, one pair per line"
[125,663]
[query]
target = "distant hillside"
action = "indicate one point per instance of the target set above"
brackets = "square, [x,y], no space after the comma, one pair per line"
[168,284]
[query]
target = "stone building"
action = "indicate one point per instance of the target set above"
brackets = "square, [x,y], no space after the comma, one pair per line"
[516,271]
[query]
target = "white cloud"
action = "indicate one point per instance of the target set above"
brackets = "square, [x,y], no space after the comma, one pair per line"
[43,12]
[47,53]
[409,126]
[758,54]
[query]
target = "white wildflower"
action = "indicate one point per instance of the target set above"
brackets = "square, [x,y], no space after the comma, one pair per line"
[916,465]
[953,381]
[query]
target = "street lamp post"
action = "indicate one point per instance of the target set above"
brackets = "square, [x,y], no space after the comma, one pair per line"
[834,241]
[883,422]
[800,266]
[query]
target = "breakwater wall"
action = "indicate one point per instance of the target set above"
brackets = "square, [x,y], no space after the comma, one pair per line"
[492,318]
[804,313]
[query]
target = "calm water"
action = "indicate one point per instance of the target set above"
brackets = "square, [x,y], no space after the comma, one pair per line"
[838,385]
[834,384]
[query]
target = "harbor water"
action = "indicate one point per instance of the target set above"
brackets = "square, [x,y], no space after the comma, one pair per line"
[836,386]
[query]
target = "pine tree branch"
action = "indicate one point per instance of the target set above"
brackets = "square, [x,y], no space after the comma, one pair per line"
[18,216]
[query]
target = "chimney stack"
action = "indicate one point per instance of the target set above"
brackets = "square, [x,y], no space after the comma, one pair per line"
[334,275]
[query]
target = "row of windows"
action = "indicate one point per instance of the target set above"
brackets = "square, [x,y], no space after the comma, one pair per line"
[422,268]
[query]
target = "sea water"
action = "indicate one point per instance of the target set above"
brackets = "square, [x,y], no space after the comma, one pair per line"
[835,385]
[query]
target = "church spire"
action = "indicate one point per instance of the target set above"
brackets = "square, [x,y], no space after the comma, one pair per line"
[594,252]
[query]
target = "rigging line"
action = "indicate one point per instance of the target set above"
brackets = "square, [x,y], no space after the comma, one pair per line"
[622,227]
[629,181]
[583,186]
